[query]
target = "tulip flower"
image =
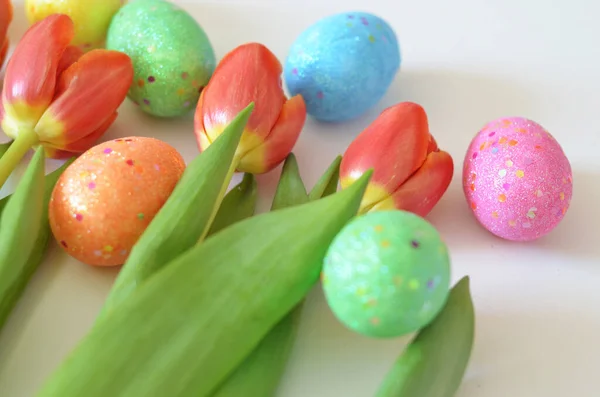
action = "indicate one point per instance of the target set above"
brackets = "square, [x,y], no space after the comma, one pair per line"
[410,172]
[56,97]
[251,73]
[6,14]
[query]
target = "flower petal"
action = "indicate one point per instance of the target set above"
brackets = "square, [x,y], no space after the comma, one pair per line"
[395,145]
[426,187]
[280,141]
[6,15]
[249,73]
[201,137]
[69,57]
[82,145]
[87,93]
[31,73]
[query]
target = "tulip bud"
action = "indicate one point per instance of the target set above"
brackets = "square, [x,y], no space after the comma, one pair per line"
[251,73]
[58,97]
[6,14]
[410,172]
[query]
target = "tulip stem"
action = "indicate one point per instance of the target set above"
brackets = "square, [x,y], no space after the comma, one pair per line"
[13,156]
[215,210]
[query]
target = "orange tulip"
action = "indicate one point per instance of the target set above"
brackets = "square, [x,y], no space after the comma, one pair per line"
[6,14]
[56,97]
[251,73]
[410,172]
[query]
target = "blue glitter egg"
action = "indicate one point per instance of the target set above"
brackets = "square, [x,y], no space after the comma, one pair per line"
[343,65]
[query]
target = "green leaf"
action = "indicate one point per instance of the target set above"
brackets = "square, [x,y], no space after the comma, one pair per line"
[187,215]
[4,147]
[328,183]
[434,363]
[238,204]
[189,326]
[11,291]
[260,373]
[290,189]
[21,221]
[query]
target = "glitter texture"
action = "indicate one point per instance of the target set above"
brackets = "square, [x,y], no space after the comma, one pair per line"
[521,191]
[386,265]
[343,65]
[172,55]
[98,225]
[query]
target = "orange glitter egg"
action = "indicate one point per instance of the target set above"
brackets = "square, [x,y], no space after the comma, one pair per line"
[104,201]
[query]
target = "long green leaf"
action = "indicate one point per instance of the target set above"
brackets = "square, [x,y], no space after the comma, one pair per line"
[328,183]
[12,292]
[4,147]
[238,204]
[260,373]
[21,221]
[187,215]
[434,363]
[189,326]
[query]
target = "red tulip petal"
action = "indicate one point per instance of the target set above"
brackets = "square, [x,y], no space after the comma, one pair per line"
[280,142]
[3,51]
[395,145]
[69,57]
[81,145]
[6,15]
[31,73]
[201,136]
[88,92]
[426,187]
[249,73]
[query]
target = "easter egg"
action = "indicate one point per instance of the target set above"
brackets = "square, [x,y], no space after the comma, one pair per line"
[107,197]
[91,18]
[343,65]
[172,56]
[517,180]
[386,274]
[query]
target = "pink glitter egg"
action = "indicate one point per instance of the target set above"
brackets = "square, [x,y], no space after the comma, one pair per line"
[516,179]
[103,202]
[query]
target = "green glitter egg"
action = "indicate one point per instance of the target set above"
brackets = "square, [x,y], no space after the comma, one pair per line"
[171,54]
[387,274]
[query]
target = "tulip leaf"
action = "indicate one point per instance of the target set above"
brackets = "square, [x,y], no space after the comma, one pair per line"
[260,373]
[4,147]
[238,204]
[12,290]
[434,363]
[190,325]
[290,189]
[187,215]
[328,183]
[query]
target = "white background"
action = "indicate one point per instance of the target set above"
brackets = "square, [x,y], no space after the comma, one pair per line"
[466,62]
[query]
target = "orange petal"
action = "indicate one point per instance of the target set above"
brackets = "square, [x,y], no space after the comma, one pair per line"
[426,187]
[280,142]
[395,145]
[69,57]
[31,73]
[249,73]
[6,15]
[87,93]
[81,145]
[201,137]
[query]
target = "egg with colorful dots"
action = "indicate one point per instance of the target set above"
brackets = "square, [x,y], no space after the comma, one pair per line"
[91,18]
[386,274]
[517,179]
[343,65]
[106,198]
[172,56]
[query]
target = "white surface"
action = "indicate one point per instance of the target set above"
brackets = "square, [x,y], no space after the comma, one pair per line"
[466,62]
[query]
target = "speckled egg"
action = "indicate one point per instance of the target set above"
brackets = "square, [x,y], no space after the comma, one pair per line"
[517,179]
[343,65]
[91,18]
[387,274]
[172,56]
[105,200]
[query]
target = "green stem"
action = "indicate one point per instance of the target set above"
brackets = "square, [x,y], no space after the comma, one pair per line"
[21,145]
[215,210]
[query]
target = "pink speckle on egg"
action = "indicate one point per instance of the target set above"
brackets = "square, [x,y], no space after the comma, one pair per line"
[517,180]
